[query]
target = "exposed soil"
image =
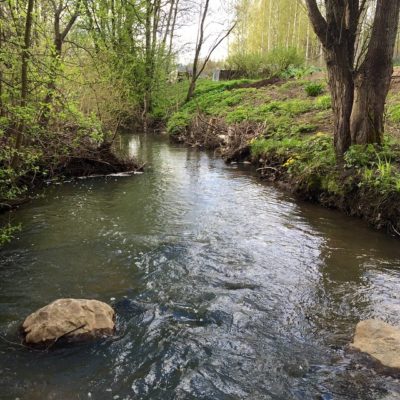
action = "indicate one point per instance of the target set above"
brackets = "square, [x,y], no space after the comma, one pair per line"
[259,84]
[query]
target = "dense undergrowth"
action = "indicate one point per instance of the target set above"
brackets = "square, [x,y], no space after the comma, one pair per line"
[287,132]
[70,146]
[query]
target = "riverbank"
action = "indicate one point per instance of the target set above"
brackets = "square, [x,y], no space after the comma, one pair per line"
[283,128]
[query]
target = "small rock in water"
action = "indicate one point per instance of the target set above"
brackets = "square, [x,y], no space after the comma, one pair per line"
[379,340]
[70,320]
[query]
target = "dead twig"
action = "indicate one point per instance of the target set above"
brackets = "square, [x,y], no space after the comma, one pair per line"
[63,335]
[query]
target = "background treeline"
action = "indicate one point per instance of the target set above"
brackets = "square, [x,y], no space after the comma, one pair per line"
[270,33]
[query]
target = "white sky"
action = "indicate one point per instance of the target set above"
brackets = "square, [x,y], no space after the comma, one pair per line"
[218,22]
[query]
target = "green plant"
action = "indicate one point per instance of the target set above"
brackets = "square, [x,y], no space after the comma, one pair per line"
[394,113]
[178,122]
[7,232]
[323,102]
[314,89]
[281,58]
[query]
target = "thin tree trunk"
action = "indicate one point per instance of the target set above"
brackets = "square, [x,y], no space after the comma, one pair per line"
[24,78]
[2,111]
[199,45]
[172,34]
[58,41]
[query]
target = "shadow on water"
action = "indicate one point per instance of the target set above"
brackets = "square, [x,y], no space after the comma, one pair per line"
[224,287]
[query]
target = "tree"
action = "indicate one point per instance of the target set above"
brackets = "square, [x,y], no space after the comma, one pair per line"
[20,130]
[359,79]
[60,34]
[198,67]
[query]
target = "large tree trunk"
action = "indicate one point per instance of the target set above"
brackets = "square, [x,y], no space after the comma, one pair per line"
[358,92]
[342,90]
[372,80]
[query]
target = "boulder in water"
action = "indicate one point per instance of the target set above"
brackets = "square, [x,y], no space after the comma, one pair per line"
[379,340]
[70,320]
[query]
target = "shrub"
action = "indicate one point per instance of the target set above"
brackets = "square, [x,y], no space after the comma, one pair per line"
[276,62]
[394,113]
[281,58]
[251,65]
[324,102]
[314,89]
[178,122]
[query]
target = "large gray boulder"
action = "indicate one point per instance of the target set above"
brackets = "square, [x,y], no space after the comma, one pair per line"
[69,320]
[380,340]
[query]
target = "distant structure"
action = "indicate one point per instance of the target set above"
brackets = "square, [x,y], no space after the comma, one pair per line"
[180,74]
[226,75]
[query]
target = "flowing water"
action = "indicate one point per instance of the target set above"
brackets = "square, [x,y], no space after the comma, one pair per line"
[224,287]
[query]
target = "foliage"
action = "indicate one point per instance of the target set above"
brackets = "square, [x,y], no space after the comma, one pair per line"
[314,89]
[377,166]
[394,113]
[267,24]
[7,233]
[279,61]
[324,102]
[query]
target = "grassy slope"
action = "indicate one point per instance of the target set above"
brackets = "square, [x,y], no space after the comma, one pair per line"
[292,143]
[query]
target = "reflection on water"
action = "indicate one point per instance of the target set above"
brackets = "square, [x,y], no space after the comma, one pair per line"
[225,288]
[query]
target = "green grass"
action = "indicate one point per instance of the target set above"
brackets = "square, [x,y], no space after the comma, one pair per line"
[235,105]
[314,89]
[311,163]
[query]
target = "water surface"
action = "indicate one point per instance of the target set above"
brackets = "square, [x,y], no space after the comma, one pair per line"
[225,287]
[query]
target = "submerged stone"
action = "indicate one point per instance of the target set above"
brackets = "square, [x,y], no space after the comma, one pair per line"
[71,320]
[379,340]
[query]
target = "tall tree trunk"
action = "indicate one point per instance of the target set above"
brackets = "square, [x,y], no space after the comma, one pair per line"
[358,92]
[2,111]
[372,80]
[199,45]
[58,41]
[147,106]
[342,91]
[24,78]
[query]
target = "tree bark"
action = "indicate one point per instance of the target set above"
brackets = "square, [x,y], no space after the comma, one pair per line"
[358,93]
[342,90]
[58,41]
[24,79]
[372,80]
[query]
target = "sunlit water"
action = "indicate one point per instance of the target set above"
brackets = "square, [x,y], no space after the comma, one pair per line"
[224,287]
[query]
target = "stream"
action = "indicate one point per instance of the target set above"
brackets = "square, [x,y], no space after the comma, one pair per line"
[225,287]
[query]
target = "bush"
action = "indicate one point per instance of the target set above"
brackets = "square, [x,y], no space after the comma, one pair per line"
[314,89]
[281,58]
[324,102]
[178,122]
[252,65]
[394,113]
[276,62]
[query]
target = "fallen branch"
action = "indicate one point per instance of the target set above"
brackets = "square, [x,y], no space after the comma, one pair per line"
[63,335]
[264,168]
